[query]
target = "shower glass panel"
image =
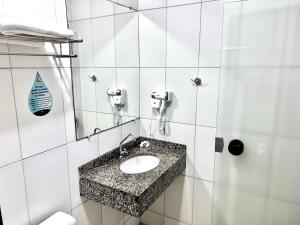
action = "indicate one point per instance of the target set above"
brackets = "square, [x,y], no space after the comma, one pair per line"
[259,104]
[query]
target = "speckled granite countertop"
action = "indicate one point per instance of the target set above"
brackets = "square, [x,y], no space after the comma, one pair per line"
[102,180]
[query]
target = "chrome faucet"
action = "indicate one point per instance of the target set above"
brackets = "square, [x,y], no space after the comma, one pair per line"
[123,151]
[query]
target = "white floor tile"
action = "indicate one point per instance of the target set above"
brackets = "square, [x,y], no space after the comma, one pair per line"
[88,213]
[159,205]
[111,216]
[152,218]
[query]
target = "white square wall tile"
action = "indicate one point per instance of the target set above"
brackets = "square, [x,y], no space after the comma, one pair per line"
[105,121]
[85,89]
[202,202]
[104,43]
[150,128]
[67,90]
[109,140]
[181,2]
[106,78]
[86,122]
[183,134]
[32,61]
[211,34]
[79,153]
[204,153]
[179,199]
[131,128]
[31,9]
[80,9]
[151,4]
[101,8]
[127,40]
[129,78]
[183,24]
[152,218]
[88,213]
[152,79]
[9,137]
[183,106]
[84,50]
[47,184]
[13,196]
[207,97]
[35,131]
[152,27]
[60,12]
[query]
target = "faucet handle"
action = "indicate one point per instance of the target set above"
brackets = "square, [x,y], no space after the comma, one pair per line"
[145,144]
[123,152]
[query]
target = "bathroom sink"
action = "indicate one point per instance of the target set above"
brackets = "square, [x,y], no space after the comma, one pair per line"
[132,184]
[139,164]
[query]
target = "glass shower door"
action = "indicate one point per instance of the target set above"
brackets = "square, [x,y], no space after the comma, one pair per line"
[257,182]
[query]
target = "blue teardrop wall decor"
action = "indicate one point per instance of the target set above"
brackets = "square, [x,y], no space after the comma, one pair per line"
[40,99]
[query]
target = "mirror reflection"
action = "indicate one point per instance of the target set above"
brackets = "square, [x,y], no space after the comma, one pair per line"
[106,72]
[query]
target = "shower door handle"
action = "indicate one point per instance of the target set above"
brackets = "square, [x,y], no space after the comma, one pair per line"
[236,147]
[219,144]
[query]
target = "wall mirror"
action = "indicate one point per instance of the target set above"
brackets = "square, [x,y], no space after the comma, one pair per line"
[105,75]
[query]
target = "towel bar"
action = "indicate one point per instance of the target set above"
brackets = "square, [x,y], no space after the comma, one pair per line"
[48,55]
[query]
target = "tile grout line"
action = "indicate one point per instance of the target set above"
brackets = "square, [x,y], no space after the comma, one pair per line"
[218,102]
[64,116]
[19,136]
[196,111]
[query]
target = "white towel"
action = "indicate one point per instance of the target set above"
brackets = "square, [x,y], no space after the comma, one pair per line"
[59,218]
[12,25]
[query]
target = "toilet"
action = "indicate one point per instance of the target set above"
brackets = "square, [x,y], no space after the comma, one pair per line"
[59,218]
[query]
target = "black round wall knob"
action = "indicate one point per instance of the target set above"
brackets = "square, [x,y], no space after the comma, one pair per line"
[236,147]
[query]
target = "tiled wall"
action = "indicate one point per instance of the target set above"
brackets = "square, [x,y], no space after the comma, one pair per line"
[39,155]
[110,51]
[179,41]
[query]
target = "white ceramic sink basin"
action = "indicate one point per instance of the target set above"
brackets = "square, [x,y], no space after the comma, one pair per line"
[139,164]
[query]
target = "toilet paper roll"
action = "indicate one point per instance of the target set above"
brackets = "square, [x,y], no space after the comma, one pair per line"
[59,218]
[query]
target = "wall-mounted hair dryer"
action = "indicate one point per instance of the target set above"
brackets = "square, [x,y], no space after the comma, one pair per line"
[117,96]
[160,100]
[118,102]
